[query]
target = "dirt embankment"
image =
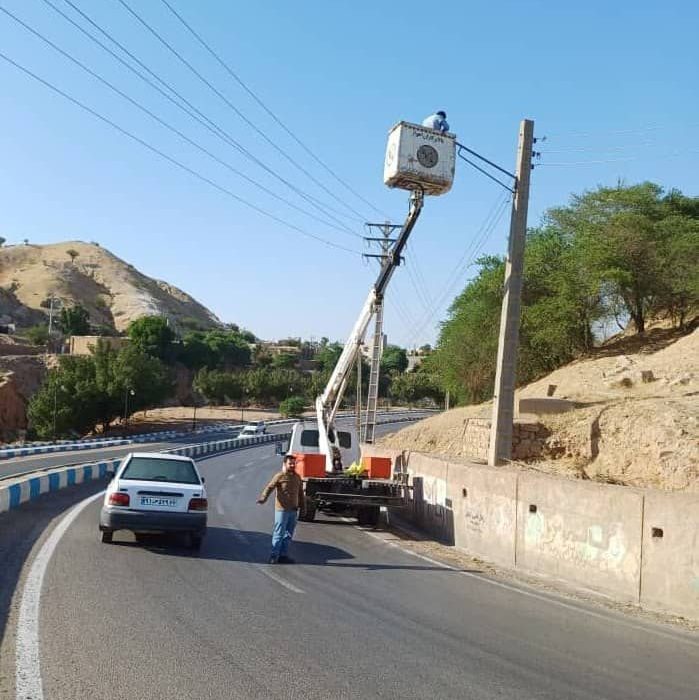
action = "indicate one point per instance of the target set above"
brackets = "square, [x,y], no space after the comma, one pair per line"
[20,378]
[635,419]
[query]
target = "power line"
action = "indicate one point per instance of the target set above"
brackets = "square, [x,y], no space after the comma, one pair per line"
[195,113]
[250,123]
[418,273]
[162,122]
[491,221]
[250,92]
[168,158]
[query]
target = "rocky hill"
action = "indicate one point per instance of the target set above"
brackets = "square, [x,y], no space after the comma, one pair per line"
[112,290]
[634,417]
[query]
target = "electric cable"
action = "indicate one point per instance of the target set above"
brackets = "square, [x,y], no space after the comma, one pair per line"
[190,109]
[165,124]
[250,123]
[257,99]
[168,158]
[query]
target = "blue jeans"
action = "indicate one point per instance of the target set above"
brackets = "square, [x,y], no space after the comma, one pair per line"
[284,526]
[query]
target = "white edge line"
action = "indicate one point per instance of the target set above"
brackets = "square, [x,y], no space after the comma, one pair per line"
[278,579]
[532,594]
[28,684]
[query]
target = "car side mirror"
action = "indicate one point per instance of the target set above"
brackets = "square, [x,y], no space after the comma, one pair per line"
[203,480]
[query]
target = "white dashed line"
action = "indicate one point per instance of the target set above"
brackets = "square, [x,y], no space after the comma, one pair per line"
[279,580]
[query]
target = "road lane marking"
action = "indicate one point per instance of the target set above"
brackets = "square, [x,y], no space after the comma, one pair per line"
[28,684]
[278,579]
[248,464]
[230,477]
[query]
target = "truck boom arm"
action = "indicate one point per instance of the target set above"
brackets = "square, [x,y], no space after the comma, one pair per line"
[329,401]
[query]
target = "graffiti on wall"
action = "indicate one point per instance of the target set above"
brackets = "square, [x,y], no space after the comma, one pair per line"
[603,547]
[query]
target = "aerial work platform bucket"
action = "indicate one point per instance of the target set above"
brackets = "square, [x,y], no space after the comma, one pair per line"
[420,158]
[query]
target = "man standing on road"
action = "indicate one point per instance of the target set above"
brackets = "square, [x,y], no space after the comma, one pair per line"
[289,498]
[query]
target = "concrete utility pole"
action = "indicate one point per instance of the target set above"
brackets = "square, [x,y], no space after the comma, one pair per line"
[500,448]
[368,424]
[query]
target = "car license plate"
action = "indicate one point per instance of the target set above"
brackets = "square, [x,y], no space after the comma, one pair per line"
[156,501]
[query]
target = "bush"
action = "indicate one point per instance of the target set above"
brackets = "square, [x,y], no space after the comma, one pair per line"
[38,335]
[292,407]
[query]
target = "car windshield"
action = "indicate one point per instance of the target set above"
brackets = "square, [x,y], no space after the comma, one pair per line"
[149,469]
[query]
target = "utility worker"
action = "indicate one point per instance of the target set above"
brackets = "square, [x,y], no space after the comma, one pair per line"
[437,121]
[289,498]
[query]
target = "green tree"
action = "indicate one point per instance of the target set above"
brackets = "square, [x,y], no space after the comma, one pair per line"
[147,377]
[328,356]
[412,387]
[69,397]
[195,352]
[228,349]
[464,358]
[285,360]
[394,359]
[38,335]
[72,253]
[84,392]
[624,237]
[75,320]
[153,336]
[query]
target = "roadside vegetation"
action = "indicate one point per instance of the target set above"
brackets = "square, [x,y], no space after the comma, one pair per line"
[613,256]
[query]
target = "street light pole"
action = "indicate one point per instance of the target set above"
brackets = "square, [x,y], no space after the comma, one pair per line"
[126,405]
[55,407]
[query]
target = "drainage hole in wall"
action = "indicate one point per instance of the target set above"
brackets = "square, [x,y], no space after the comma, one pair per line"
[532,508]
[657,531]
[464,492]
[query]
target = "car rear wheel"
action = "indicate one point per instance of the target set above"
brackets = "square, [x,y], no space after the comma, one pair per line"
[195,540]
[106,536]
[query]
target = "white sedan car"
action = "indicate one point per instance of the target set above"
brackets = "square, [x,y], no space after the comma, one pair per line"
[258,428]
[155,492]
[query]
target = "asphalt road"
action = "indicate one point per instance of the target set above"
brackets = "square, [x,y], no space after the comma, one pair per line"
[354,618]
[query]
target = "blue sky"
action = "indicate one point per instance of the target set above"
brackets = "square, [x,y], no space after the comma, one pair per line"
[612,87]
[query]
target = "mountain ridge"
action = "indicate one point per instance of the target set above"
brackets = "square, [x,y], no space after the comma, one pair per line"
[111,289]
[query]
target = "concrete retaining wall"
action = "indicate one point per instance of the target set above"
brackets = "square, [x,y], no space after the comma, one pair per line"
[670,570]
[585,533]
[634,545]
[484,504]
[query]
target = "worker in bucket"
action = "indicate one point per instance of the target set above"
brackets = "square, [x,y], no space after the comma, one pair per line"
[288,499]
[437,121]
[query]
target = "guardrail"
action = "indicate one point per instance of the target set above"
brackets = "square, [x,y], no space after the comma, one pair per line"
[14,492]
[89,443]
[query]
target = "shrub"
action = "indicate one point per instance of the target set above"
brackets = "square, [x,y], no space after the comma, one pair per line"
[292,407]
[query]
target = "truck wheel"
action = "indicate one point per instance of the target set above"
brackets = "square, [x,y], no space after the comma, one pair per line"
[308,513]
[368,516]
